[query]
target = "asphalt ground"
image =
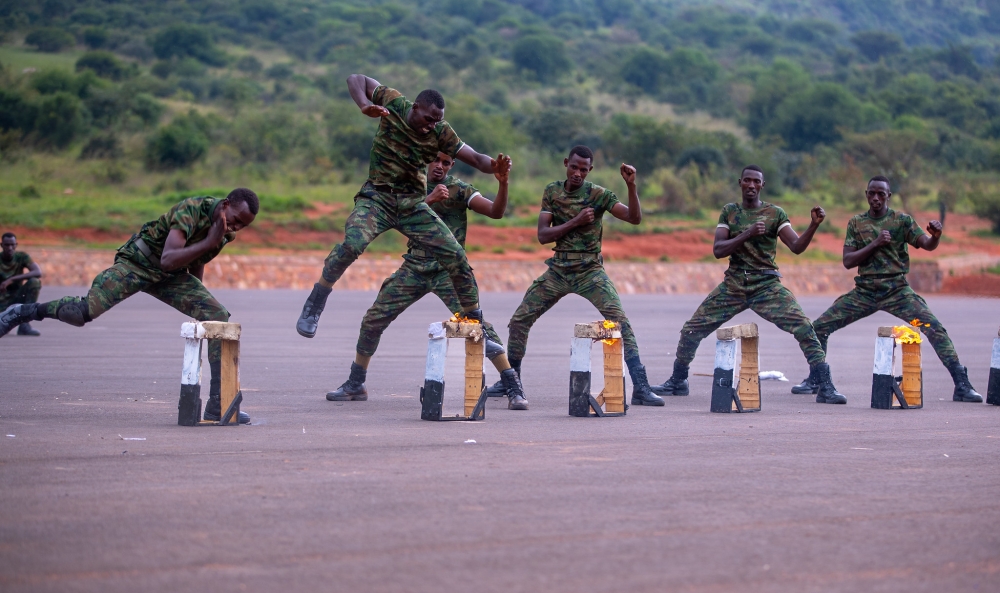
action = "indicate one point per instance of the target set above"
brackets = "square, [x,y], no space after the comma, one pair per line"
[364,496]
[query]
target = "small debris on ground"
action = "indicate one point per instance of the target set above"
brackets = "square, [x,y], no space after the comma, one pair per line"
[470,442]
[131,438]
[772,376]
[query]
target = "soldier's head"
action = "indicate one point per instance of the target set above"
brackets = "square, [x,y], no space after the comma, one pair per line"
[439,168]
[579,163]
[751,182]
[878,193]
[9,245]
[241,206]
[427,112]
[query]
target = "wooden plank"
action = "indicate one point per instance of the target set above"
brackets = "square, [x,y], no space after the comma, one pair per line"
[600,398]
[595,330]
[734,332]
[614,386]
[911,386]
[454,329]
[749,388]
[230,374]
[474,352]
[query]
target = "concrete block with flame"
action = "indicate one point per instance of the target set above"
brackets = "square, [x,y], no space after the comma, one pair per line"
[727,395]
[432,393]
[908,392]
[611,401]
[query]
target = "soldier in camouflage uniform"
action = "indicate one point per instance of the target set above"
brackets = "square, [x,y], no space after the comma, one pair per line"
[876,243]
[451,199]
[571,218]
[165,259]
[410,135]
[748,234]
[16,285]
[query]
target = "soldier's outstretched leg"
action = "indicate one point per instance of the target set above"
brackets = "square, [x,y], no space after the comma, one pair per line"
[372,216]
[722,304]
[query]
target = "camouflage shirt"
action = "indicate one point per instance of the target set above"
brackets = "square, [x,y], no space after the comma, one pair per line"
[15,266]
[454,210]
[194,217]
[399,154]
[756,253]
[893,258]
[565,205]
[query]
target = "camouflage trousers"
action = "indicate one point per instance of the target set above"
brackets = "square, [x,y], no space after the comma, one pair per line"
[131,274]
[894,296]
[764,295]
[21,292]
[407,285]
[586,278]
[376,212]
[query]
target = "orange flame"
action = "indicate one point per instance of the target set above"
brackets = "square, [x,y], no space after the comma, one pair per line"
[609,325]
[905,335]
[460,317]
[918,323]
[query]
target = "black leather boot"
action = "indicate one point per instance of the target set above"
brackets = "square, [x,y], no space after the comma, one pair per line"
[515,392]
[15,315]
[808,385]
[964,392]
[826,393]
[353,389]
[311,310]
[677,384]
[213,408]
[641,394]
[497,389]
[25,329]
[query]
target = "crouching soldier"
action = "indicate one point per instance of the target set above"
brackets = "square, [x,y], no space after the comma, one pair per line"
[18,286]
[165,259]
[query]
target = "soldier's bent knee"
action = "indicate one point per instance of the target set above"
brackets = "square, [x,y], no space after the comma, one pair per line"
[73,313]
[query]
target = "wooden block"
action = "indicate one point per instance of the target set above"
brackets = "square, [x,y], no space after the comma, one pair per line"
[474,351]
[912,377]
[469,331]
[885,332]
[211,330]
[733,332]
[614,386]
[595,330]
[749,387]
[600,398]
[230,374]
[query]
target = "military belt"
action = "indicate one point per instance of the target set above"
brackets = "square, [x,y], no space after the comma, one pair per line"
[754,273]
[882,276]
[420,253]
[145,250]
[574,255]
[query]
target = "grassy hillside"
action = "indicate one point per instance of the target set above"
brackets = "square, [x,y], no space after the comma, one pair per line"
[127,103]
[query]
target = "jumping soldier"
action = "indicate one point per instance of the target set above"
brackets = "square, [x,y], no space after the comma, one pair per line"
[16,285]
[451,199]
[409,137]
[748,234]
[571,216]
[876,244]
[165,259]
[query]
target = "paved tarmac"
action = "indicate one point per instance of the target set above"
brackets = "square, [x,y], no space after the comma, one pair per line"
[364,496]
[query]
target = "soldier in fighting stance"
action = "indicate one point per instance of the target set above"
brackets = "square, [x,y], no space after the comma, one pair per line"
[748,234]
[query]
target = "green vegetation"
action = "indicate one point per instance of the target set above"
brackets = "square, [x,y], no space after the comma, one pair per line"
[130,99]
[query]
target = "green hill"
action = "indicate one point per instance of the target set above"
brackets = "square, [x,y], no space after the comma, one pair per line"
[133,98]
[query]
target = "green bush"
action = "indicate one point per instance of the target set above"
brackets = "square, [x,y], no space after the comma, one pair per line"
[95,37]
[102,146]
[544,55]
[61,118]
[50,39]
[103,64]
[182,41]
[986,204]
[16,112]
[177,145]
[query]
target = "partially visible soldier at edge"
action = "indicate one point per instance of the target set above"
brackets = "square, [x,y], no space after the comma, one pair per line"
[571,218]
[165,259]
[451,199]
[748,235]
[409,137]
[876,244]
[16,285]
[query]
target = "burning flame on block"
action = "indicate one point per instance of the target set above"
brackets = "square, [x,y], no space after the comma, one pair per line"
[609,325]
[459,317]
[905,335]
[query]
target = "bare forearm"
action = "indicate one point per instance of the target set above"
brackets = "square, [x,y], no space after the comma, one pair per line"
[175,259]
[928,242]
[554,233]
[634,208]
[802,242]
[358,86]
[26,276]
[500,203]
[726,247]
[854,259]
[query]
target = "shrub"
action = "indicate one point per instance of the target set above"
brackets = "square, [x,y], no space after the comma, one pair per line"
[102,146]
[986,204]
[544,55]
[103,64]
[16,112]
[49,82]
[49,39]
[187,40]
[249,64]
[60,119]
[177,145]
[95,37]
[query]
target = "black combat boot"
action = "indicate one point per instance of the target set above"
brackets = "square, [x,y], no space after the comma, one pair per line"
[641,394]
[677,384]
[826,393]
[309,319]
[498,389]
[15,315]
[511,380]
[213,408]
[25,329]
[353,389]
[964,391]
[808,385]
